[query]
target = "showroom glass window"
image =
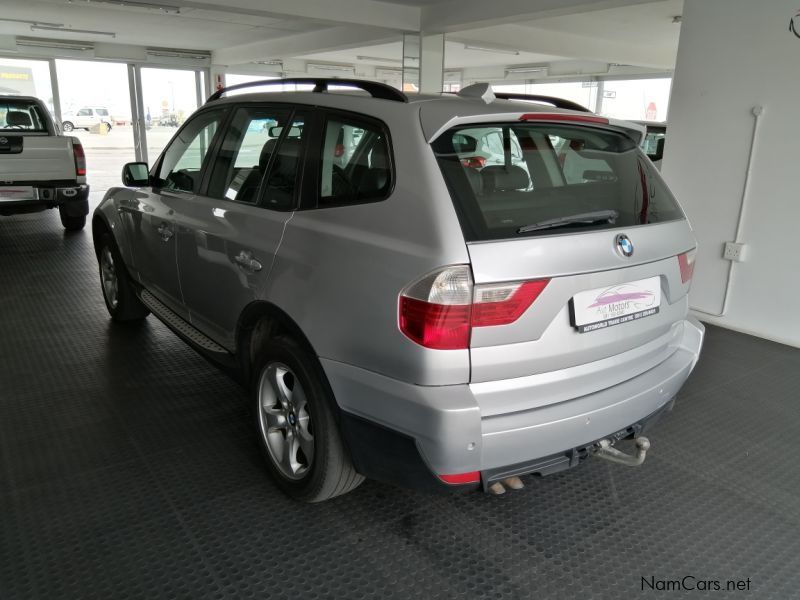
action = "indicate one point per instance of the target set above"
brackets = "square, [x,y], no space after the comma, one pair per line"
[355,166]
[180,168]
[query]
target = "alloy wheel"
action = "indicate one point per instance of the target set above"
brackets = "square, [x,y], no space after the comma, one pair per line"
[285,421]
[108,275]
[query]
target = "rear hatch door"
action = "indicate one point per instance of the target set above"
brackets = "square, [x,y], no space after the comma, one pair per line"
[587,212]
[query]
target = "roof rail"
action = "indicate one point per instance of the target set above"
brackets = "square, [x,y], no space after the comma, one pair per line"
[552,100]
[321,84]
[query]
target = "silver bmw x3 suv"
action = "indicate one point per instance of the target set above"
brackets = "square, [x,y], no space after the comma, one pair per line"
[399,308]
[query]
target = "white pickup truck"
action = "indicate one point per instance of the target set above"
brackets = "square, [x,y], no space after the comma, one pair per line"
[39,167]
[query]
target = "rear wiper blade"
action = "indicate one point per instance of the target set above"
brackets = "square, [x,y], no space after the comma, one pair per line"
[598,216]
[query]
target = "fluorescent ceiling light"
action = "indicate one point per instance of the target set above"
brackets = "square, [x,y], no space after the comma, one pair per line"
[26,22]
[195,54]
[531,69]
[380,59]
[491,49]
[346,68]
[267,62]
[83,31]
[164,8]
[54,45]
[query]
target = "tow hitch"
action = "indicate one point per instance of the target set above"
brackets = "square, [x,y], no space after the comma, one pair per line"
[608,452]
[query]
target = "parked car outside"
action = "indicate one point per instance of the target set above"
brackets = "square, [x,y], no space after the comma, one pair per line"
[39,167]
[86,118]
[654,140]
[397,314]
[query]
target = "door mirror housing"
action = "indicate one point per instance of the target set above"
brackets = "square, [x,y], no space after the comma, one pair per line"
[136,174]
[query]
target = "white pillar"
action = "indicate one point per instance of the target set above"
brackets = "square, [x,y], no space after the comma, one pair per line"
[431,63]
[411,62]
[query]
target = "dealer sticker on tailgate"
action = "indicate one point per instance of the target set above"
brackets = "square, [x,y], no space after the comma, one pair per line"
[616,304]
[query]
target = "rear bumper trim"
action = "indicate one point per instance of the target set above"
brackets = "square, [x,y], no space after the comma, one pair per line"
[572,457]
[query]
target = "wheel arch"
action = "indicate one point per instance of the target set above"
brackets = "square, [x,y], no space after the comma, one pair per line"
[259,321]
[100,226]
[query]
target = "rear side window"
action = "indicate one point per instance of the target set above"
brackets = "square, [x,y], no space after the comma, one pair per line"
[20,115]
[355,165]
[245,153]
[523,179]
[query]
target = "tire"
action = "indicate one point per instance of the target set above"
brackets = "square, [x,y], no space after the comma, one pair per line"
[121,300]
[108,126]
[71,223]
[67,126]
[296,426]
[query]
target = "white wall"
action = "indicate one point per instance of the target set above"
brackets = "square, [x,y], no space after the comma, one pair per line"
[734,55]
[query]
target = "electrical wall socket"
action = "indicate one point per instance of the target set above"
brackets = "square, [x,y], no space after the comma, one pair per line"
[734,251]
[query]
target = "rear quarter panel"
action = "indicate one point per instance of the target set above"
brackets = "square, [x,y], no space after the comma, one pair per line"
[339,271]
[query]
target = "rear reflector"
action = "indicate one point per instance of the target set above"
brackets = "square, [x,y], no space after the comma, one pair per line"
[80,158]
[460,478]
[686,263]
[563,117]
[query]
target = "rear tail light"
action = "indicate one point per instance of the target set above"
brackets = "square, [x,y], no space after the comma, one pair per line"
[474,162]
[440,310]
[686,263]
[461,478]
[80,158]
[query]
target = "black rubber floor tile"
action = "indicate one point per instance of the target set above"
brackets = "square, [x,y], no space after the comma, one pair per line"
[59,454]
[152,558]
[129,469]
[208,469]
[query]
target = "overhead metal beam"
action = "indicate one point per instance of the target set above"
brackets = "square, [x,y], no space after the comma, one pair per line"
[353,12]
[554,43]
[327,40]
[458,15]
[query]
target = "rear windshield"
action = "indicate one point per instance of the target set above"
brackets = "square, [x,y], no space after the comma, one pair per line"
[21,115]
[520,179]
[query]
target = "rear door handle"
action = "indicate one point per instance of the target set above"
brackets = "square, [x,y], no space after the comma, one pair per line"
[165,231]
[245,260]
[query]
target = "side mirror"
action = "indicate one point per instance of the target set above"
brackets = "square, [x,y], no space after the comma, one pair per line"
[136,174]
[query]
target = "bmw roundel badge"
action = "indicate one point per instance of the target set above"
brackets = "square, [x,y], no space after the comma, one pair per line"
[624,245]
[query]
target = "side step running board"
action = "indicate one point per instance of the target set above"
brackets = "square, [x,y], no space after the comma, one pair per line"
[180,326]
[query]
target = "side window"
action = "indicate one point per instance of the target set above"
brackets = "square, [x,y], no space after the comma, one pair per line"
[281,186]
[183,159]
[102,112]
[85,112]
[355,165]
[245,153]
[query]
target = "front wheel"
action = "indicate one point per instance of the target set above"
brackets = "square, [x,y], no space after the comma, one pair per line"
[67,126]
[297,429]
[121,300]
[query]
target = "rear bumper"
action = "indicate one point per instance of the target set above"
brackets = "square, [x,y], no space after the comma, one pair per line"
[72,198]
[452,434]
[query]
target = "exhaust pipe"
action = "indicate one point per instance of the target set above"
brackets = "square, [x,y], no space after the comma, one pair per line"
[611,454]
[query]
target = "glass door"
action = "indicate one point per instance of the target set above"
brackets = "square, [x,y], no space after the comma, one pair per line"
[168,96]
[96,108]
